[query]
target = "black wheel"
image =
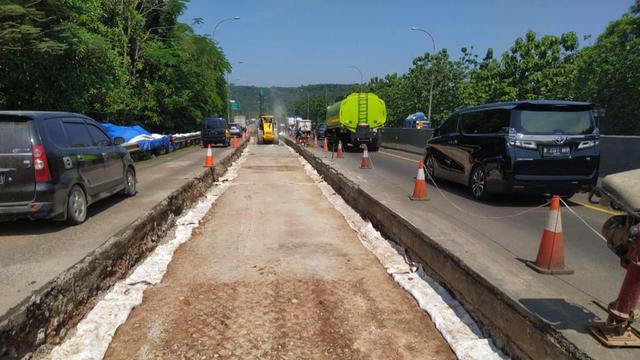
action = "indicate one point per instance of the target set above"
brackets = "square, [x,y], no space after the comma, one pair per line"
[129,182]
[478,183]
[429,166]
[76,206]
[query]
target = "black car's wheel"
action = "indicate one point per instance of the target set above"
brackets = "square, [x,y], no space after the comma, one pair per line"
[129,182]
[76,206]
[429,166]
[478,183]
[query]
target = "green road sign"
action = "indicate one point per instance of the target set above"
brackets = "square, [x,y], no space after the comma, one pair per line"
[235,106]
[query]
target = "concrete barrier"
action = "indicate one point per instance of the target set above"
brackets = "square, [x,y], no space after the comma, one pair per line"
[410,140]
[517,331]
[46,316]
[618,153]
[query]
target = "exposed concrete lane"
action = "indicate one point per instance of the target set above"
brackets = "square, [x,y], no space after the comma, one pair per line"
[276,272]
[34,252]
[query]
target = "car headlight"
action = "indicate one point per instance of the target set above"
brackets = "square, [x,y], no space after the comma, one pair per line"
[587,144]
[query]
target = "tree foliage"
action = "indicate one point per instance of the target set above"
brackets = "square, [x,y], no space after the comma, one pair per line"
[110,57]
[548,67]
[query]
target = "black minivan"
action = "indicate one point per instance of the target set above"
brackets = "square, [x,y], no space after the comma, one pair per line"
[54,164]
[533,147]
[215,131]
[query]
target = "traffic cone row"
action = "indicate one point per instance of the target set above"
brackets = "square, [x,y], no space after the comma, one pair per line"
[420,187]
[208,160]
[550,259]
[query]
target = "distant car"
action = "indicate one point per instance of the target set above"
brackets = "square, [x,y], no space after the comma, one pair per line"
[215,131]
[534,147]
[53,165]
[235,130]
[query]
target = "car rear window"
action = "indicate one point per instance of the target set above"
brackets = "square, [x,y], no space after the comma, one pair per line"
[213,123]
[553,122]
[15,136]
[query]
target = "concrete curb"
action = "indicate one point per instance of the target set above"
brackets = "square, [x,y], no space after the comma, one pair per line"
[57,306]
[515,330]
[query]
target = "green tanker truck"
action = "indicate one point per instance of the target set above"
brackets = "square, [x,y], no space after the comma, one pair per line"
[356,120]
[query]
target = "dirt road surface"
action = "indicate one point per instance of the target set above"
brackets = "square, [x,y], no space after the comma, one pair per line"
[275,272]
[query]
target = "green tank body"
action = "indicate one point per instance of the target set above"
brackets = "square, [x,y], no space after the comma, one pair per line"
[356,109]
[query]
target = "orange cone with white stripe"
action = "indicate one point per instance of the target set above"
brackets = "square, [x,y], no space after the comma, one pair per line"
[208,161]
[364,164]
[315,141]
[325,146]
[550,259]
[420,188]
[340,155]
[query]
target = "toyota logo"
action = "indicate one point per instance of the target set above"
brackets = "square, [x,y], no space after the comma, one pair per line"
[559,139]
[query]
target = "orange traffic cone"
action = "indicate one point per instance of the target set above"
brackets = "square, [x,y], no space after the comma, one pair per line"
[420,188]
[364,164]
[340,155]
[325,146]
[234,142]
[550,258]
[315,141]
[208,161]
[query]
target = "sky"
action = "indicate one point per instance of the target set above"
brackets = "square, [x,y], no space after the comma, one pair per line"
[291,43]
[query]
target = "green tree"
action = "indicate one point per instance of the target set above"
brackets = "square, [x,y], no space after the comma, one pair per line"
[608,73]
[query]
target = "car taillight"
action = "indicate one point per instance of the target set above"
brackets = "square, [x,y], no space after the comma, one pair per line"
[40,164]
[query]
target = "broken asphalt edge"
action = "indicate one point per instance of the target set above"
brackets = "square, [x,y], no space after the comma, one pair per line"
[514,329]
[48,313]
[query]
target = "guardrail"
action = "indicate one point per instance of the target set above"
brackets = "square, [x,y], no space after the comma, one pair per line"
[617,153]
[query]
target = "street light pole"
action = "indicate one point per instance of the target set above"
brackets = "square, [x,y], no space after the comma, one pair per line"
[413,28]
[229,91]
[220,22]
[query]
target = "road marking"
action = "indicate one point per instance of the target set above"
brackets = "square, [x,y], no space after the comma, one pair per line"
[596,208]
[399,157]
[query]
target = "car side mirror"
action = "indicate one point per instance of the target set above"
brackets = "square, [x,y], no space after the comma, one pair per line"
[118,140]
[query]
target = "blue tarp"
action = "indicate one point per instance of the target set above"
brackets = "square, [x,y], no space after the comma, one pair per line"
[130,132]
[411,120]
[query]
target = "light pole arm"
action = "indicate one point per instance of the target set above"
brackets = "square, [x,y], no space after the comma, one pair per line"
[215,28]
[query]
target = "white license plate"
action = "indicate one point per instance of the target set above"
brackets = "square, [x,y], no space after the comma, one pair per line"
[556,151]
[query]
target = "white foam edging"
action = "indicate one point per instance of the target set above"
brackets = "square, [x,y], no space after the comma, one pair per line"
[95,331]
[450,318]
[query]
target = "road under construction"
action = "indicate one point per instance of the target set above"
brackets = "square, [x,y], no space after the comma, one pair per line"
[296,252]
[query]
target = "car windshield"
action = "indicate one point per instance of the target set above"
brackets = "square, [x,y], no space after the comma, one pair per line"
[553,122]
[213,123]
[15,137]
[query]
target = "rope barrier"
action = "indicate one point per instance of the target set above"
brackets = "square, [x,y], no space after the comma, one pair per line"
[583,221]
[481,216]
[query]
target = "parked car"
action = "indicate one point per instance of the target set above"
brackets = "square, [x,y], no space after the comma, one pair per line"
[215,131]
[235,130]
[54,165]
[535,147]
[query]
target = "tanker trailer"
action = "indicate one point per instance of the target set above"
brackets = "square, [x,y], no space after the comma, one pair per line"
[356,120]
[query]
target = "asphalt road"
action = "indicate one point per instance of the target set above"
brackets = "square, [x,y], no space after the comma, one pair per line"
[597,271]
[34,252]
